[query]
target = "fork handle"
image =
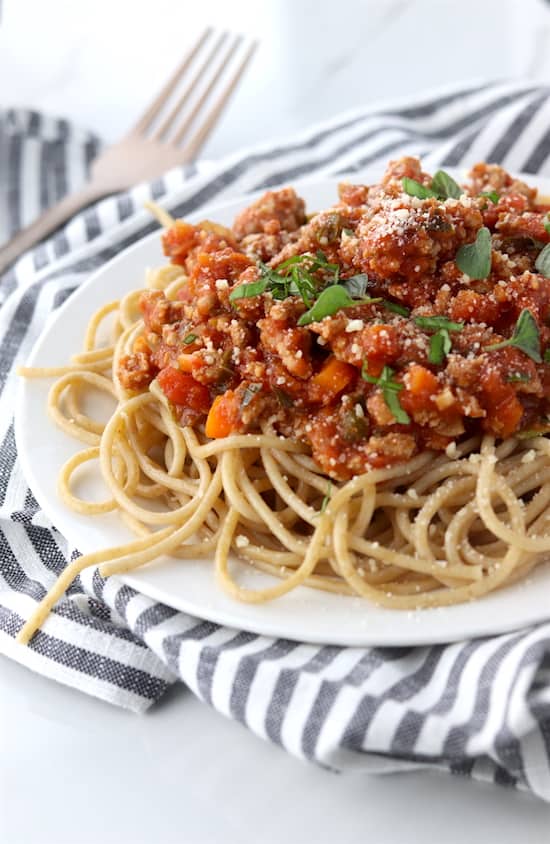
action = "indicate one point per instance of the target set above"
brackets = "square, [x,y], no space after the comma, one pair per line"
[47,223]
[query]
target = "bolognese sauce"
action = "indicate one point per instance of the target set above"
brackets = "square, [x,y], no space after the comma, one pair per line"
[410,315]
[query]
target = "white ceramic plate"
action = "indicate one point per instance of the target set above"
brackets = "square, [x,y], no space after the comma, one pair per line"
[305,614]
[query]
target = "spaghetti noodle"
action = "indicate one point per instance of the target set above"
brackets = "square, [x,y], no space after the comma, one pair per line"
[447,521]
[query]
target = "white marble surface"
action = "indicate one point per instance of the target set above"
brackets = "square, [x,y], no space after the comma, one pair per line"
[75,770]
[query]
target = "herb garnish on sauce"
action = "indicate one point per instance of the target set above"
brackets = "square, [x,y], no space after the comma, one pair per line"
[294,277]
[542,264]
[390,389]
[331,300]
[492,195]
[526,337]
[474,259]
[442,187]
[440,342]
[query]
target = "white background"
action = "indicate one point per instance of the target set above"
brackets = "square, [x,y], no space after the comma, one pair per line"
[75,770]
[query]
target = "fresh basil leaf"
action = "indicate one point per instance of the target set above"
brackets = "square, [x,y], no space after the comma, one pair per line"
[437,322]
[390,389]
[440,346]
[356,285]
[395,308]
[414,188]
[249,393]
[546,223]
[332,299]
[547,356]
[474,259]
[296,276]
[526,337]
[445,186]
[190,339]
[392,400]
[492,195]
[517,377]
[372,379]
[246,291]
[383,380]
[542,264]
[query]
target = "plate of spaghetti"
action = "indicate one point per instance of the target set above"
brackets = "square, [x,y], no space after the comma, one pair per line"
[325,425]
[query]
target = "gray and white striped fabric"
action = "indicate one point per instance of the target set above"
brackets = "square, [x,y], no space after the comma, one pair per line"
[479,708]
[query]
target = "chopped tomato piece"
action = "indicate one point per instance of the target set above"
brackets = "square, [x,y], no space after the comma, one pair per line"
[182,389]
[504,410]
[178,240]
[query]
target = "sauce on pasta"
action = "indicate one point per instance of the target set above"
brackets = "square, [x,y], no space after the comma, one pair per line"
[354,401]
[358,332]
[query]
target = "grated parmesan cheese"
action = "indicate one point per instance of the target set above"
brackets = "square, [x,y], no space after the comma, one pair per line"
[242,541]
[354,325]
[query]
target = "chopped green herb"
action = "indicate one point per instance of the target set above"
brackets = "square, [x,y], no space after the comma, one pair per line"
[283,398]
[436,322]
[414,188]
[396,308]
[445,187]
[190,339]
[440,346]
[249,394]
[542,264]
[546,223]
[440,343]
[529,433]
[392,400]
[326,499]
[356,285]
[294,277]
[348,232]
[517,377]
[474,259]
[383,380]
[331,300]
[526,337]
[246,291]
[492,195]
[390,389]
[546,357]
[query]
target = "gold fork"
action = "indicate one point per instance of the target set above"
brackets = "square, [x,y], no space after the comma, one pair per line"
[152,147]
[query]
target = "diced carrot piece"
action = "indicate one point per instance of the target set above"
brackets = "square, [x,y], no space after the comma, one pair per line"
[421,386]
[421,382]
[334,376]
[140,345]
[223,417]
[186,362]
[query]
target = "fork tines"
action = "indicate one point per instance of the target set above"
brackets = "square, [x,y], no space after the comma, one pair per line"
[198,91]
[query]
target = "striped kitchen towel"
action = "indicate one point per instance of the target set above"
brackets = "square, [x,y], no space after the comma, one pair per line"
[480,708]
